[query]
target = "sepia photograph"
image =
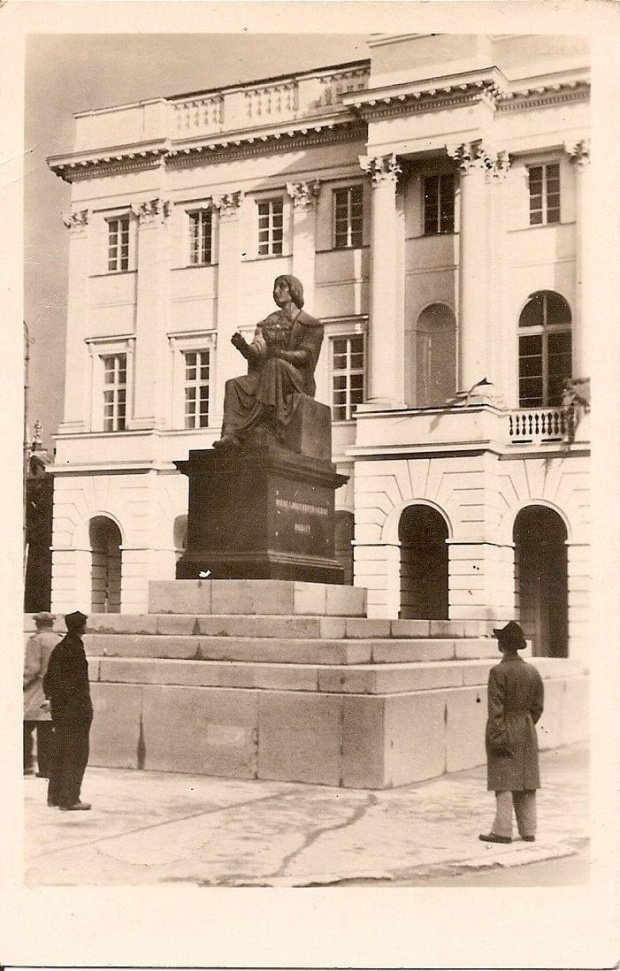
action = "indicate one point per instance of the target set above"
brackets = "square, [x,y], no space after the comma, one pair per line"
[310,587]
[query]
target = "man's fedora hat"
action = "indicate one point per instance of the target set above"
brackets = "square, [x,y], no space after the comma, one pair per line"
[511,634]
[44,619]
[75,620]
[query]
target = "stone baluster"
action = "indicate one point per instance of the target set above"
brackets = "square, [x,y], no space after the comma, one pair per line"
[152,310]
[386,340]
[228,361]
[582,321]
[304,196]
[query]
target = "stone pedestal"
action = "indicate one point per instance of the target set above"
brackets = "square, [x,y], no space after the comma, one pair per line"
[260,512]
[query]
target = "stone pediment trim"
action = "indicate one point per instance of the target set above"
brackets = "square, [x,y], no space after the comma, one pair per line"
[243,147]
[72,168]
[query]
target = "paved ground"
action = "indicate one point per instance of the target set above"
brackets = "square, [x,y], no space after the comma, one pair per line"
[160,828]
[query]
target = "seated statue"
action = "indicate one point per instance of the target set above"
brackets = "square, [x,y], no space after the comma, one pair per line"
[281,358]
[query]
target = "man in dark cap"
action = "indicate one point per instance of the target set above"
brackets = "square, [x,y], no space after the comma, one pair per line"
[66,686]
[516,697]
[281,358]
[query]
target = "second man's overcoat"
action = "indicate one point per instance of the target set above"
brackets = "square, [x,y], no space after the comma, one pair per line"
[515,698]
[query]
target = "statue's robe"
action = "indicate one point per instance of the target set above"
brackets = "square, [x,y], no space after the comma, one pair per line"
[267,395]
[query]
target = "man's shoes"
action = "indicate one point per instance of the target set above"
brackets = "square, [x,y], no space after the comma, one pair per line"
[529,839]
[494,838]
[75,807]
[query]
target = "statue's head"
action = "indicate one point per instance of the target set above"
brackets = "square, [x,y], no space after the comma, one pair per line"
[295,287]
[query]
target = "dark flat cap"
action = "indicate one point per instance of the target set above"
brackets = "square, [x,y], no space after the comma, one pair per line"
[75,620]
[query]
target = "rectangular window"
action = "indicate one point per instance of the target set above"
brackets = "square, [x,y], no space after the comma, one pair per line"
[200,236]
[118,244]
[270,227]
[544,186]
[197,377]
[438,204]
[114,392]
[347,366]
[348,217]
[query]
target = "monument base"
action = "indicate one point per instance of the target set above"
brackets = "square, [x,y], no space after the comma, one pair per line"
[260,512]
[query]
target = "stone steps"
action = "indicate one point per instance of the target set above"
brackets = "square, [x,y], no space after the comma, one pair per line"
[279,626]
[289,650]
[358,679]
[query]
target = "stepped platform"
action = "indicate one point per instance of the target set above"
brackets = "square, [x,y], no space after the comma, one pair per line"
[290,681]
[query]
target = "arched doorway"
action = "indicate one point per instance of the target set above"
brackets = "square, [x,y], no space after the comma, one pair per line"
[435,356]
[541,575]
[343,543]
[105,543]
[423,532]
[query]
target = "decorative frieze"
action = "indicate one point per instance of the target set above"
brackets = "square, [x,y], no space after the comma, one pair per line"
[152,212]
[303,194]
[579,152]
[381,168]
[228,204]
[76,221]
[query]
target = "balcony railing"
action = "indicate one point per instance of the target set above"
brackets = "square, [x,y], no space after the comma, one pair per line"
[276,101]
[539,425]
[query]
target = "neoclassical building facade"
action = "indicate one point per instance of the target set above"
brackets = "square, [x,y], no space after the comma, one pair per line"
[433,199]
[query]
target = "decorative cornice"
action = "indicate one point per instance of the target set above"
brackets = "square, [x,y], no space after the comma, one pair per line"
[579,152]
[152,212]
[124,159]
[545,97]
[303,194]
[381,168]
[472,156]
[228,204]
[232,149]
[76,221]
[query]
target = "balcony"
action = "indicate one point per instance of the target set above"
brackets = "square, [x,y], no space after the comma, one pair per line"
[539,426]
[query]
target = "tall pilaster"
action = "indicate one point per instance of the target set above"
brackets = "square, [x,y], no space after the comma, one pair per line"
[152,309]
[228,361]
[582,322]
[304,196]
[500,336]
[386,338]
[474,162]
[75,407]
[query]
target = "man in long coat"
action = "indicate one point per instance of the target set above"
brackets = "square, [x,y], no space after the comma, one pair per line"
[36,709]
[515,698]
[66,685]
[281,358]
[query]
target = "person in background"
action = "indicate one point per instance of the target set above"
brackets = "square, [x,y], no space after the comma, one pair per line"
[516,698]
[36,709]
[66,685]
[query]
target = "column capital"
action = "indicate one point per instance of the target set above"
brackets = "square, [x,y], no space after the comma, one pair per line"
[152,212]
[579,152]
[472,156]
[304,194]
[76,221]
[381,168]
[228,204]
[499,165]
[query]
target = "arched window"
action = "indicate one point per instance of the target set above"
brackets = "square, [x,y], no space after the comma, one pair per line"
[544,349]
[435,356]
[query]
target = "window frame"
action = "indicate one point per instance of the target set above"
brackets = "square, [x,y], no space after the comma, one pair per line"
[544,331]
[269,200]
[352,242]
[124,218]
[347,372]
[197,384]
[437,230]
[101,348]
[544,209]
[181,344]
[202,212]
